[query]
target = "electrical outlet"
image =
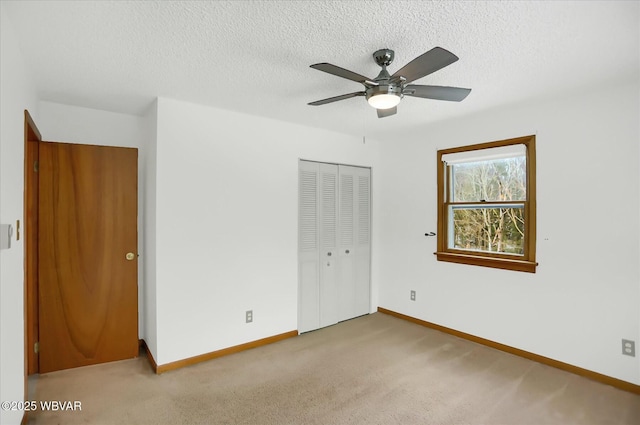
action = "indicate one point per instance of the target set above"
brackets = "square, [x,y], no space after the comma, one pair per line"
[249,316]
[628,347]
[413,295]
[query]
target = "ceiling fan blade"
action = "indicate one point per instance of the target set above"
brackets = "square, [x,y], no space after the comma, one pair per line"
[341,72]
[453,94]
[336,98]
[425,64]
[387,112]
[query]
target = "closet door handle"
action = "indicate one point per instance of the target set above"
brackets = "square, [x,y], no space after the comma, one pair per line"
[346,251]
[328,254]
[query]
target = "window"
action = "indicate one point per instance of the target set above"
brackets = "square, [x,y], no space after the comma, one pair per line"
[487,204]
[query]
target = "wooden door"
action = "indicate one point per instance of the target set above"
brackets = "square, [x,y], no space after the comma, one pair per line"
[88,296]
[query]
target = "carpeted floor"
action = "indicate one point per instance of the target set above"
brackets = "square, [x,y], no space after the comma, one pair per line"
[376,369]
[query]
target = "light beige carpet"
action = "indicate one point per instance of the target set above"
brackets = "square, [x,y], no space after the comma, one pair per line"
[372,370]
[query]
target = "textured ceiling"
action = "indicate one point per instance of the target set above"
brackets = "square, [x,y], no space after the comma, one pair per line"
[254,57]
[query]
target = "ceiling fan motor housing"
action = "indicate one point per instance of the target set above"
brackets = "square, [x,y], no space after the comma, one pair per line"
[391,89]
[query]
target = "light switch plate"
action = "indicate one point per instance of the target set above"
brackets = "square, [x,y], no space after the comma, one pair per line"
[6,233]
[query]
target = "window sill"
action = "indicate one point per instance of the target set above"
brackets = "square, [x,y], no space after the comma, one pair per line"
[493,262]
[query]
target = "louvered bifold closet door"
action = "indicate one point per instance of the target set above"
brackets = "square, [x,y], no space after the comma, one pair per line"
[308,247]
[329,262]
[334,243]
[362,213]
[354,234]
[318,236]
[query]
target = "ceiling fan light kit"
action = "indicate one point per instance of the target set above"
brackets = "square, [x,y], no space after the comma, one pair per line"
[384,100]
[386,91]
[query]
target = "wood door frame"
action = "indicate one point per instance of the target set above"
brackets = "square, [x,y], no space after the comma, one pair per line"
[32,139]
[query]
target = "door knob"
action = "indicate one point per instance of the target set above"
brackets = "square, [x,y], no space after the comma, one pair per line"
[346,251]
[328,254]
[130,256]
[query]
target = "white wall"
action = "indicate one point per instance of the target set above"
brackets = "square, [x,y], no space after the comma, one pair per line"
[18,94]
[226,230]
[73,124]
[585,296]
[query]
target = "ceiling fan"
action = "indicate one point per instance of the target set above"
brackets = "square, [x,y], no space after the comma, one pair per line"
[385,91]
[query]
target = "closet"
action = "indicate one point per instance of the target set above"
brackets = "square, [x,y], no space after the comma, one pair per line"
[334,243]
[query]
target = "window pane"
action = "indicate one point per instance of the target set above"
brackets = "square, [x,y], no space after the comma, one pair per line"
[489,229]
[492,180]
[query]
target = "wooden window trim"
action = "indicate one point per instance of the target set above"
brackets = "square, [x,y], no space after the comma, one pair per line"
[523,263]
